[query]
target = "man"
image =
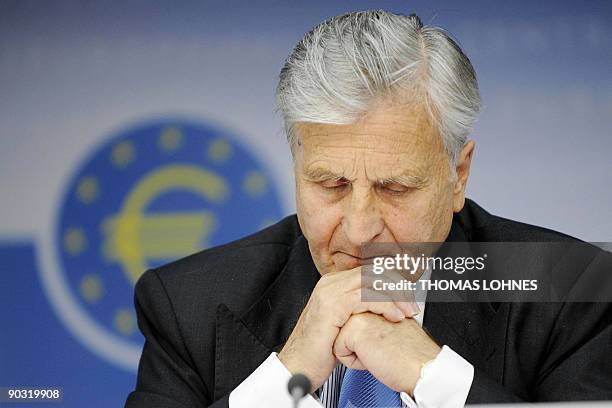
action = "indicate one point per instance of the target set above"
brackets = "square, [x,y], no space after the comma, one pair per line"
[377,109]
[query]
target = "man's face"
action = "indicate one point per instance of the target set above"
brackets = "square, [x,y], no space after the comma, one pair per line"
[385,178]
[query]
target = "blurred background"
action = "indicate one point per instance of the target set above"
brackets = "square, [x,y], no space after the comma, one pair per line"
[136,132]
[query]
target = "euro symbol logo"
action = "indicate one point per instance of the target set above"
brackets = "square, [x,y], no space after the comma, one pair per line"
[133,237]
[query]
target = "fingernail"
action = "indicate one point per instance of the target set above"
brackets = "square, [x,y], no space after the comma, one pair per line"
[409,308]
[398,314]
[414,309]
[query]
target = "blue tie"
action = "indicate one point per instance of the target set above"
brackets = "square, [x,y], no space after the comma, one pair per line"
[361,390]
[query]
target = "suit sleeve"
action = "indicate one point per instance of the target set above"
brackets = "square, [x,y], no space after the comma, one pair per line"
[166,374]
[486,390]
[577,366]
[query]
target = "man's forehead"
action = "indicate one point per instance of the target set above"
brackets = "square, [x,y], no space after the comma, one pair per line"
[410,173]
[396,142]
[390,130]
[322,162]
[345,141]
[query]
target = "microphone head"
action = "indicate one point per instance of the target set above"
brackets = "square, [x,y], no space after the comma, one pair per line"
[298,386]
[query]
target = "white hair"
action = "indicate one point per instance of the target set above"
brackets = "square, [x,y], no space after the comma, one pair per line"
[346,63]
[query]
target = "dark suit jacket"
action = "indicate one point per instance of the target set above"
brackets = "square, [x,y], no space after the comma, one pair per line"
[212,318]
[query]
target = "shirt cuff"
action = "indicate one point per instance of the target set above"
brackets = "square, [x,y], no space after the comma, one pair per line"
[267,387]
[444,383]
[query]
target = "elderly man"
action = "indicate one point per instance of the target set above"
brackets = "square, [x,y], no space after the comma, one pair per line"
[377,109]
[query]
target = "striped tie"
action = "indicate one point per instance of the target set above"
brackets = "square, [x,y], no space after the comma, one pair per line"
[361,390]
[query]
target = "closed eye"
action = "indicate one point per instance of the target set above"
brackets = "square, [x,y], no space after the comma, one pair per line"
[394,188]
[334,183]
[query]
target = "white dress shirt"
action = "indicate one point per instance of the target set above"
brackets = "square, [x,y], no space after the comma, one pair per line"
[444,383]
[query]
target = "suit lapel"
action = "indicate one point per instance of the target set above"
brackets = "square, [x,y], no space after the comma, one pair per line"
[266,325]
[474,328]
[237,352]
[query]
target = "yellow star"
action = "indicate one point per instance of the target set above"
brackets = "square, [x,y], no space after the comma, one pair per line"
[170,139]
[219,150]
[88,189]
[75,241]
[91,288]
[124,322]
[255,183]
[123,154]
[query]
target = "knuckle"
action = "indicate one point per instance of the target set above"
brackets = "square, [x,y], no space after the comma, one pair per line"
[354,296]
[358,321]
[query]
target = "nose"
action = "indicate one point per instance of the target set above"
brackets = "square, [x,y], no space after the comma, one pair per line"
[362,220]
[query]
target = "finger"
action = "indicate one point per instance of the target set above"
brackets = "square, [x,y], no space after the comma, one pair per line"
[341,281]
[344,289]
[352,279]
[344,347]
[404,299]
[335,295]
[374,298]
[344,344]
[380,304]
[386,309]
[410,309]
[352,361]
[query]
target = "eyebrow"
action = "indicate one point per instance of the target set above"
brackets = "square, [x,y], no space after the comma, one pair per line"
[407,180]
[316,174]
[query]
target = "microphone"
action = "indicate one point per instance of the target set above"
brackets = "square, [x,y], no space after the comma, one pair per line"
[298,386]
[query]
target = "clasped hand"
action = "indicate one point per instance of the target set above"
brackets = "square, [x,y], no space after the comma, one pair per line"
[378,336]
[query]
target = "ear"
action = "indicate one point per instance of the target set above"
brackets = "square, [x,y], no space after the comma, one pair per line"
[464,161]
